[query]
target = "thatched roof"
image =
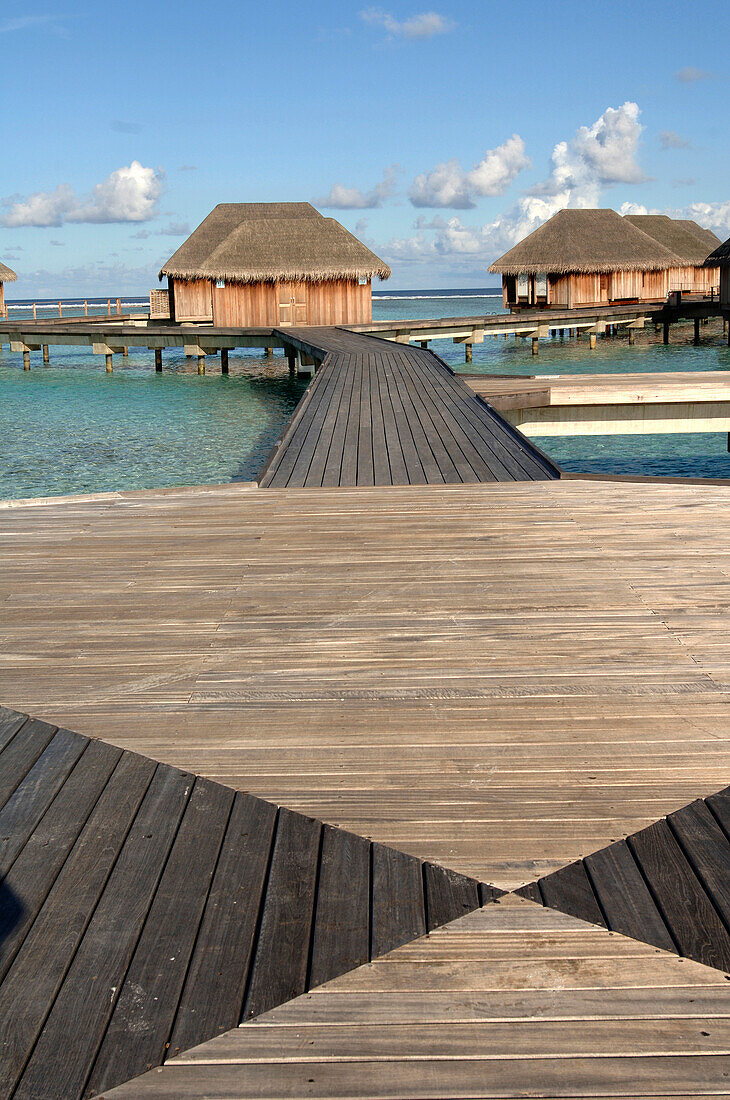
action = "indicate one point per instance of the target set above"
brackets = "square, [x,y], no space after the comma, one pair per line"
[585,242]
[7,275]
[255,242]
[720,257]
[687,240]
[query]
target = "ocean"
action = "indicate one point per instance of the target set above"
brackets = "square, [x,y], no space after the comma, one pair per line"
[69,427]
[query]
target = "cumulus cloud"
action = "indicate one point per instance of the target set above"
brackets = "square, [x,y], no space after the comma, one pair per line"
[353,198]
[690,74]
[596,157]
[426,24]
[448,185]
[668,139]
[129,194]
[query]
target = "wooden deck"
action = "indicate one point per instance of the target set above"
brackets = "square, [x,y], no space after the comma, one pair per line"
[501,679]
[511,1001]
[144,910]
[382,414]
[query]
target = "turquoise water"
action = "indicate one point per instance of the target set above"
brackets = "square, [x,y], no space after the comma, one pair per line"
[71,428]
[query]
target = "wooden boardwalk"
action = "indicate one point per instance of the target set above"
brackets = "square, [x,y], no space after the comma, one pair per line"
[511,1001]
[144,910]
[383,414]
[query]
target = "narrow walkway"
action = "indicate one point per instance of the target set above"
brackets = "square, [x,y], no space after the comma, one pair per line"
[379,413]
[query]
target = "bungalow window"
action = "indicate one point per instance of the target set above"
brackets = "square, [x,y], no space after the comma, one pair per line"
[540,287]
[523,286]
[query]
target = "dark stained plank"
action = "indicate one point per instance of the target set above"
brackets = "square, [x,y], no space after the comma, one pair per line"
[488,893]
[437,463]
[318,464]
[570,890]
[415,473]
[625,897]
[707,850]
[342,916]
[719,804]
[365,469]
[694,923]
[137,1040]
[348,469]
[398,902]
[21,754]
[282,952]
[530,891]
[212,999]
[68,1044]
[304,425]
[35,869]
[313,440]
[449,895]
[381,460]
[34,794]
[397,473]
[31,986]
[10,722]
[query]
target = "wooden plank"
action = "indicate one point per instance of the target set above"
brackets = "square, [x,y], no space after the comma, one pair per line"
[570,891]
[20,755]
[381,461]
[301,428]
[427,427]
[448,895]
[10,722]
[348,470]
[282,951]
[406,444]
[625,898]
[21,813]
[319,459]
[692,920]
[67,1046]
[341,938]
[707,850]
[398,902]
[32,984]
[396,473]
[365,458]
[719,804]
[333,466]
[212,1000]
[315,440]
[33,873]
[136,1040]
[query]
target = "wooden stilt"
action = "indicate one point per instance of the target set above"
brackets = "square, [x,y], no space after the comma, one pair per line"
[696,338]
[291,359]
[109,364]
[224,360]
[125,352]
[665,336]
[268,353]
[535,345]
[201,364]
[592,341]
[46,354]
[632,337]
[424,343]
[467,353]
[26,360]
[158,359]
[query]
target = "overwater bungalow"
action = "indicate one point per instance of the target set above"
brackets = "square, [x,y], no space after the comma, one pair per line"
[690,243]
[596,257]
[7,275]
[261,264]
[721,258]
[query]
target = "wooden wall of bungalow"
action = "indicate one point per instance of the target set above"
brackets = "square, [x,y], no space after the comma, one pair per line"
[252,305]
[575,290]
[725,286]
[3,310]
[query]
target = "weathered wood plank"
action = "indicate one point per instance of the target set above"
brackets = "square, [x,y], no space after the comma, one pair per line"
[625,898]
[398,903]
[341,938]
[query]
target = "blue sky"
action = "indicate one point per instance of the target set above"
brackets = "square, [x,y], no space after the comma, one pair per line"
[439,133]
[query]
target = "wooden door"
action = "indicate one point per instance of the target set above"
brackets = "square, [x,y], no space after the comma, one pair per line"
[603,290]
[292,303]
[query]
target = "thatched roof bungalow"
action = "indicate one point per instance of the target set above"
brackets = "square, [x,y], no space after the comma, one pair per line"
[721,258]
[251,264]
[690,243]
[7,275]
[594,257]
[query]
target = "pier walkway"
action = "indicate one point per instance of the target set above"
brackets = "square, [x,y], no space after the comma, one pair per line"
[501,679]
[382,414]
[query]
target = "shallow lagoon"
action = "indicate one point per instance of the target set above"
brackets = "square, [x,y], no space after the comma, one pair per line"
[71,428]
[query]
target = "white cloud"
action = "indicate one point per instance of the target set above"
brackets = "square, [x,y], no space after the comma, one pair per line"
[710,215]
[50,23]
[129,194]
[426,24]
[597,157]
[448,185]
[352,198]
[635,208]
[669,139]
[690,74]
